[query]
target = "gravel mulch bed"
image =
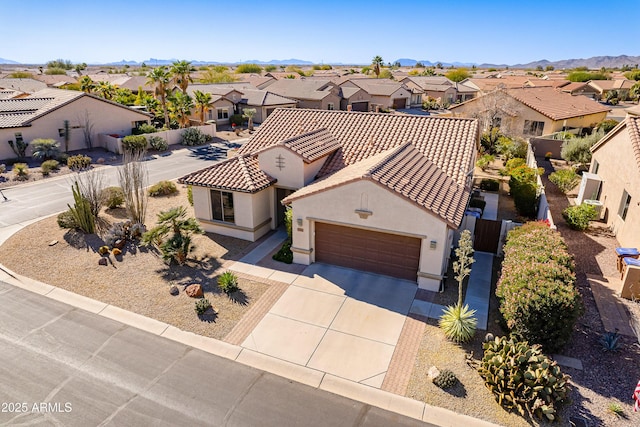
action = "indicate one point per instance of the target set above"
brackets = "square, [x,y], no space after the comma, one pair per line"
[139,280]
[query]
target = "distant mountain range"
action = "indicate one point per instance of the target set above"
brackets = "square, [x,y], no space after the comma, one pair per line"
[595,62]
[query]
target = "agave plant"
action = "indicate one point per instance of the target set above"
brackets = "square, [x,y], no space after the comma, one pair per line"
[458,323]
[610,341]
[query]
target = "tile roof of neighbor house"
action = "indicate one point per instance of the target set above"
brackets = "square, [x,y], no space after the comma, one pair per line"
[241,173]
[611,84]
[633,111]
[347,92]
[405,171]
[555,104]
[450,143]
[8,94]
[214,89]
[301,88]
[53,79]
[431,83]
[256,80]
[311,146]
[264,98]
[463,88]
[21,112]
[381,87]
[22,85]
[573,86]
[632,125]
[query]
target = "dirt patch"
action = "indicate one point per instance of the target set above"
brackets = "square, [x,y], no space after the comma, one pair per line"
[138,280]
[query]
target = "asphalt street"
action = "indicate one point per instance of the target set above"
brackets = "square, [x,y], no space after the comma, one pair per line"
[46,197]
[64,366]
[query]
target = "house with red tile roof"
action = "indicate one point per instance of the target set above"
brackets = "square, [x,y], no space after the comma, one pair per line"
[615,167]
[533,111]
[371,191]
[603,87]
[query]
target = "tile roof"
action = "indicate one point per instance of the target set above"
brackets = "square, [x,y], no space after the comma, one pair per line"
[450,143]
[431,83]
[311,146]
[22,85]
[381,87]
[407,172]
[347,92]
[264,98]
[611,84]
[555,104]
[8,94]
[240,173]
[301,88]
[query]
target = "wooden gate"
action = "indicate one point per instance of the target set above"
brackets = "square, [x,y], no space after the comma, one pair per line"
[487,235]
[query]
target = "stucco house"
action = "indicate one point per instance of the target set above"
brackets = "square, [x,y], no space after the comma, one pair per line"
[533,111]
[310,93]
[603,87]
[385,93]
[436,87]
[615,164]
[264,102]
[42,115]
[369,191]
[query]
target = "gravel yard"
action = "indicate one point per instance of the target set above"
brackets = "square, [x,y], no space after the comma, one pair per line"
[139,280]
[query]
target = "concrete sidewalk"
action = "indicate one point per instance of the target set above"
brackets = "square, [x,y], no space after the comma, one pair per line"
[479,287]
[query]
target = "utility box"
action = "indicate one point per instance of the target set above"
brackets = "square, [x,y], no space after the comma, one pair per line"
[589,187]
[597,204]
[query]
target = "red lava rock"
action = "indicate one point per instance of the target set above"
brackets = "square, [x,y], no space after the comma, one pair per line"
[194,291]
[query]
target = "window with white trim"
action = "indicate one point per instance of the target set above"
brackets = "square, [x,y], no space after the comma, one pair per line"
[624,205]
[222,206]
[223,113]
[330,106]
[533,128]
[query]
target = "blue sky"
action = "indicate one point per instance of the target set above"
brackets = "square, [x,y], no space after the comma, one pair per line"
[326,31]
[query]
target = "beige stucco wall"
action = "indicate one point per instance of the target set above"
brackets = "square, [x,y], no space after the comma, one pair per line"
[105,117]
[252,214]
[619,171]
[291,175]
[390,213]
[387,101]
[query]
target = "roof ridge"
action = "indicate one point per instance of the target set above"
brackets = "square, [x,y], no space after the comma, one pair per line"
[245,170]
[393,152]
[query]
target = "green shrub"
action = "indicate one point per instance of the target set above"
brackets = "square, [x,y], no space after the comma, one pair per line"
[81,211]
[145,128]
[202,305]
[3,168]
[158,143]
[67,220]
[249,68]
[565,179]
[21,171]
[228,282]
[445,379]
[578,217]
[113,197]
[45,148]
[237,119]
[484,161]
[49,165]
[477,203]
[523,186]
[522,378]
[458,323]
[194,136]
[284,254]
[578,150]
[607,125]
[78,162]
[63,158]
[190,194]
[536,290]
[489,185]
[162,188]
[134,143]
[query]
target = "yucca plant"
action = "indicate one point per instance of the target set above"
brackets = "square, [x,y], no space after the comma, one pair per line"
[21,171]
[458,323]
[81,211]
[228,282]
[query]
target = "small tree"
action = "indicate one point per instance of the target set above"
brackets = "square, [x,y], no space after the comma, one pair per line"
[45,149]
[248,114]
[458,75]
[173,222]
[376,65]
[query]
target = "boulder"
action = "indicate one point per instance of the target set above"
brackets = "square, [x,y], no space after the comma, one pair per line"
[194,291]
[173,290]
[102,261]
[433,372]
[53,242]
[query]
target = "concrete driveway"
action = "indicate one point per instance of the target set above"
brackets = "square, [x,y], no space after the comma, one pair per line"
[337,320]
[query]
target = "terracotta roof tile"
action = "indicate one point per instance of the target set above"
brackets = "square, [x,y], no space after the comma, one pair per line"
[449,143]
[633,126]
[240,173]
[310,146]
[407,172]
[555,104]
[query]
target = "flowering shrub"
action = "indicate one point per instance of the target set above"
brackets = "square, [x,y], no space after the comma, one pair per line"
[538,299]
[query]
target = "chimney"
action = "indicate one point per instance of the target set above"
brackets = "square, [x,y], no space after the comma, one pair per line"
[349,107]
[377,109]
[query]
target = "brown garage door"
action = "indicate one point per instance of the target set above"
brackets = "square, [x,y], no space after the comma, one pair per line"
[399,103]
[382,253]
[360,106]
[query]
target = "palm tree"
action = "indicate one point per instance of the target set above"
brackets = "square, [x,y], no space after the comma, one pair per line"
[377,64]
[105,90]
[86,84]
[203,103]
[160,77]
[181,71]
[174,222]
[180,108]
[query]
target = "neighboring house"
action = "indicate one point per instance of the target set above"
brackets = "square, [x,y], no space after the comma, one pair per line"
[616,163]
[8,94]
[256,80]
[385,93]
[465,93]
[264,102]
[354,99]
[580,88]
[224,99]
[42,115]
[436,87]
[313,93]
[375,192]
[22,85]
[533,111]
[54,80]
[603,87]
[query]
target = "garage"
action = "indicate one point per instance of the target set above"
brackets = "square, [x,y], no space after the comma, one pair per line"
[373,251]
[399,103]
[360,106]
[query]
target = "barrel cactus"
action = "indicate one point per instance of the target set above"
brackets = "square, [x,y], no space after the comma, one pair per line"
[446,379]
[522,378]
